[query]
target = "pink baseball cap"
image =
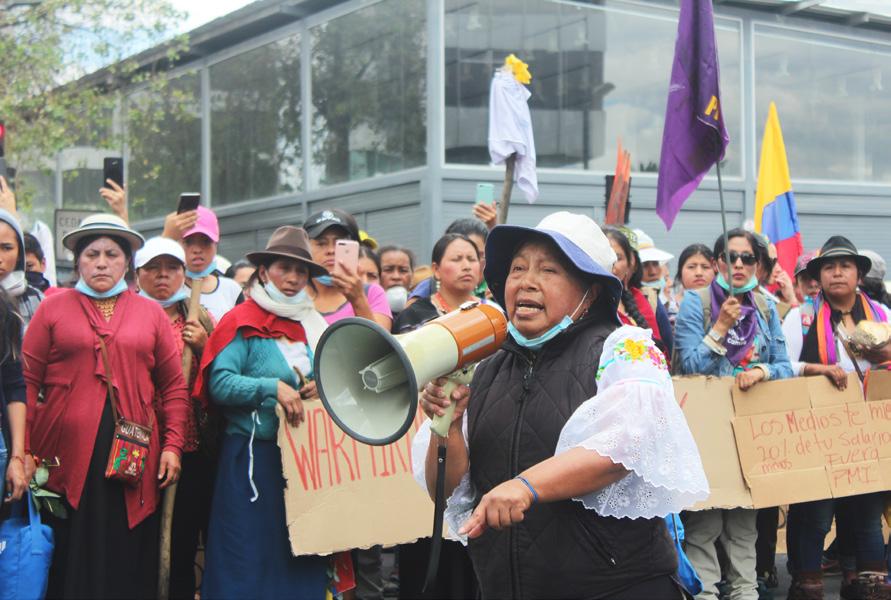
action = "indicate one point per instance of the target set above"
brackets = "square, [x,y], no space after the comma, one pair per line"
[207,224]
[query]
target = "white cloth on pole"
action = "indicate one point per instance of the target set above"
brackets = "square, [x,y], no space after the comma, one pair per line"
[510,130]
[44,235]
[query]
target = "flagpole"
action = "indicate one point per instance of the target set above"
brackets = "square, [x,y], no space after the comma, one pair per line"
[724,225]
[504,205]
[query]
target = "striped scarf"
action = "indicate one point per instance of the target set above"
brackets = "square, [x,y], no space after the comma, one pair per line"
[826,343]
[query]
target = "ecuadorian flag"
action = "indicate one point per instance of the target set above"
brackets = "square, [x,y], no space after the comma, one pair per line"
[775,212]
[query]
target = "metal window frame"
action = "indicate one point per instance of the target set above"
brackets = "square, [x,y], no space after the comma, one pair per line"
[748,22]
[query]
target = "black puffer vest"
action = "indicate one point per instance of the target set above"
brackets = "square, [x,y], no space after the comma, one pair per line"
[519,405]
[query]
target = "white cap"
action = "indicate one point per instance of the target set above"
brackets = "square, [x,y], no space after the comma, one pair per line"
[159,246]
[223,263]
[647,249]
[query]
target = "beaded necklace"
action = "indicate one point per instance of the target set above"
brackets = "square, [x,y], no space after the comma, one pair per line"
[106,306]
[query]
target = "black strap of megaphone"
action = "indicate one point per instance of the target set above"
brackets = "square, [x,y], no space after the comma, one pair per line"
[438,511]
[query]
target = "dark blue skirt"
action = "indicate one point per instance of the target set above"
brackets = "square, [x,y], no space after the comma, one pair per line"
[248,553]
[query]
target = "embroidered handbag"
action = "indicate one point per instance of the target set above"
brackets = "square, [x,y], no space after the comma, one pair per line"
[130,446]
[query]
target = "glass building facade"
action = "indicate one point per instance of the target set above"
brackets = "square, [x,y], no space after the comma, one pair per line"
[382,108]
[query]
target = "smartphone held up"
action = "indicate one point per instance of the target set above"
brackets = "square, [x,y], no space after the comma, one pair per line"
[346,253]
[112,169]
[188,201]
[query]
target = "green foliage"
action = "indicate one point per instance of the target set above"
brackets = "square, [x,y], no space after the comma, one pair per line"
[45,499]
[48,101]
[368,91]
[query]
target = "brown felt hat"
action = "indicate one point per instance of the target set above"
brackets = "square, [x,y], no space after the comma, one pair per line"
[288,242]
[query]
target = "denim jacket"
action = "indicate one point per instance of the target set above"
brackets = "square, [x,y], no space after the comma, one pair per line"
[695,357]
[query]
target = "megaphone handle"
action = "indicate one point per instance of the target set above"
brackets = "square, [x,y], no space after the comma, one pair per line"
[438,514]
[440,425]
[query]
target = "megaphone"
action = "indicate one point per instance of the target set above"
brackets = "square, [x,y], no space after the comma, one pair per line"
[368,379]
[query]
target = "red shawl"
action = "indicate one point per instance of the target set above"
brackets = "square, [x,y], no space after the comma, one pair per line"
[252,321]
[643,305]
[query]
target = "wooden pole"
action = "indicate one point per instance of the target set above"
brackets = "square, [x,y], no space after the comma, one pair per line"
[170,492]
[504,205]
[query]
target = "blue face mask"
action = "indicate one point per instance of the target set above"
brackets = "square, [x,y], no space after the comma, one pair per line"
[538,342]
[325,280]
[82,287]
[751,285]
[276,295]
[658,284]
[179,296]
[201,274]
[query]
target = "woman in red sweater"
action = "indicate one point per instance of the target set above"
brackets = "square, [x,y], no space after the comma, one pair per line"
[107,545]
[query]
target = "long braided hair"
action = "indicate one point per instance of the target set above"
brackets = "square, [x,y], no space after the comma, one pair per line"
[628,301]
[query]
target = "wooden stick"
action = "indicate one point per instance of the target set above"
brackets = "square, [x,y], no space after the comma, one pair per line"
[170,492]
[504,205]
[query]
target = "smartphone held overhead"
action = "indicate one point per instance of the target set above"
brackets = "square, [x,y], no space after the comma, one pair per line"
[113,169]
[346,253]
[188,201]
[485,193]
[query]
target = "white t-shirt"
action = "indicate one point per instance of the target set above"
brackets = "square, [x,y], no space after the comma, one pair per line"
[223,299]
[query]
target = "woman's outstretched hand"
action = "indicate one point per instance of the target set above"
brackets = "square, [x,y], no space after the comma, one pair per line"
[503,506]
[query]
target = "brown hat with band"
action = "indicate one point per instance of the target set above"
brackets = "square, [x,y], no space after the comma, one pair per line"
[288,242]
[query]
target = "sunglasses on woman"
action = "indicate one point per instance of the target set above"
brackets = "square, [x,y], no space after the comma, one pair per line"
[747,258]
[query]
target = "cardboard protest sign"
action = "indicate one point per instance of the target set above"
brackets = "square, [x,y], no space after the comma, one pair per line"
[708,407]
[341,494]
[802,439]
[781,442]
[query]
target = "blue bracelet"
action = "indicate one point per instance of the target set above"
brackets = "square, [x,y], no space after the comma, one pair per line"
[529,485]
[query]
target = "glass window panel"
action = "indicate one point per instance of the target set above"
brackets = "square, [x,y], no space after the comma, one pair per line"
[37,189]
[80,189]
[255,123]
[833,101]
[598,74]
[369,92]
[164,139]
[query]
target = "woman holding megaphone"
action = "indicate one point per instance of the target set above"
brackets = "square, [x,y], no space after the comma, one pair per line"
[509,493]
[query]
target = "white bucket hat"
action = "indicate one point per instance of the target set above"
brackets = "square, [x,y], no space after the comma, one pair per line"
[577,236]
[647,249]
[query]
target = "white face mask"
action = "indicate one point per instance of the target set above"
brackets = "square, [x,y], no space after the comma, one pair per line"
[397,296]
[15,283]
[276,295]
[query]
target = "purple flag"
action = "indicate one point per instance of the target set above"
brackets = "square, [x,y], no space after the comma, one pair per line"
[694,137]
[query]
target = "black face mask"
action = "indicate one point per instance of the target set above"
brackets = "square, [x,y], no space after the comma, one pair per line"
[36,280]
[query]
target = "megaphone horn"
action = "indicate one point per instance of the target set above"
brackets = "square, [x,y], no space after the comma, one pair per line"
[369,379]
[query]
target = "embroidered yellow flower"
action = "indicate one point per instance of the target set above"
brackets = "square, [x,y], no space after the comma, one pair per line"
[636,350]
[519,69]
